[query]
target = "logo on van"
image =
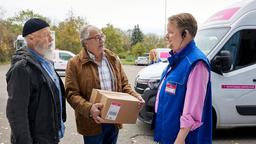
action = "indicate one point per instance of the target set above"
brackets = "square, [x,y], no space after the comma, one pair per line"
[238,86]
[224,14]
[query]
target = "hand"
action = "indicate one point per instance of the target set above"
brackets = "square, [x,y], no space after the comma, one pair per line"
[141,102]
[95,112]
[179,141]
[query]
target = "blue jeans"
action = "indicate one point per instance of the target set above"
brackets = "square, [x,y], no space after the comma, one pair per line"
[108,136]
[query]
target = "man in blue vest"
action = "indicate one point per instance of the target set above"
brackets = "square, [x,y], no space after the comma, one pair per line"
[183,103]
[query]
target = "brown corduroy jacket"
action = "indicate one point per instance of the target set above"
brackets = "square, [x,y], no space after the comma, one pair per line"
[81,77]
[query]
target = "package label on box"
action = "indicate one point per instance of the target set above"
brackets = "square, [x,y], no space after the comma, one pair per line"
[113,111]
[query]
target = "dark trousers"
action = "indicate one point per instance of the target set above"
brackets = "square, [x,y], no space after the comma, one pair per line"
[108,136]
[153,124]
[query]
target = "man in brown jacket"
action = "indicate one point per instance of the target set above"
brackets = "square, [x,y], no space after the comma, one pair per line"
[94,67]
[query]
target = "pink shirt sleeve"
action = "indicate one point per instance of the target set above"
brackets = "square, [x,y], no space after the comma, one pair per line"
[195,96]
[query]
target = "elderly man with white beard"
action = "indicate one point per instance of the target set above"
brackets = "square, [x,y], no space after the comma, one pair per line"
[36,103]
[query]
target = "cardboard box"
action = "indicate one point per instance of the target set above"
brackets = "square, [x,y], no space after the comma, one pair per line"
[118,107]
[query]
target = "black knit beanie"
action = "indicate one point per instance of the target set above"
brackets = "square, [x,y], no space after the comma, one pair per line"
[33,25]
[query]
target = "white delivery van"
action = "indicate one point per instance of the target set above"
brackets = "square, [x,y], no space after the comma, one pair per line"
[228,38]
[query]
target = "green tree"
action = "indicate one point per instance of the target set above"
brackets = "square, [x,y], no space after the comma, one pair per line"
[138,49]
[114,40]
[6,42]
[25,15]
[126,37]
[137,35]
[67,33]
[153,41]
[16,22]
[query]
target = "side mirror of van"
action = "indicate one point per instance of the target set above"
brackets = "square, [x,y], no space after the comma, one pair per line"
[222,62]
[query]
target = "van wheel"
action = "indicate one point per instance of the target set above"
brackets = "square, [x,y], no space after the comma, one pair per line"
[214,121]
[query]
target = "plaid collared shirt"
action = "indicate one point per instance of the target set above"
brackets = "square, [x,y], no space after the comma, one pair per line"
[105,73]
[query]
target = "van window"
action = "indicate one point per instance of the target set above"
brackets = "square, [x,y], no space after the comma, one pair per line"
[207,39]
[242,48]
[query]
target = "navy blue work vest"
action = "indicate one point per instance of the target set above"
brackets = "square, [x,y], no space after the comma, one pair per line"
[172,97]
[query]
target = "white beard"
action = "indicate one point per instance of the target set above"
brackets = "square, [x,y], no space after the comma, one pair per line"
[49,54]
[45,52]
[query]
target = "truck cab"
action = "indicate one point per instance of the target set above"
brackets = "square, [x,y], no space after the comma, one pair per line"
[19,42]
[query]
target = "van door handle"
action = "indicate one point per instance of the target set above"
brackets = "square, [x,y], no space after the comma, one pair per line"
[254,80]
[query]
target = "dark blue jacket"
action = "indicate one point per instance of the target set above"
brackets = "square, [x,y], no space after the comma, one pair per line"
[171,103]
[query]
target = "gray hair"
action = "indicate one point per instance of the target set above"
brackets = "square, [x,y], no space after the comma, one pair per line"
[85,33]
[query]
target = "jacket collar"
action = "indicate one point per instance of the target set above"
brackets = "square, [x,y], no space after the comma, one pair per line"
[175,58]
[84,56]
[25,53]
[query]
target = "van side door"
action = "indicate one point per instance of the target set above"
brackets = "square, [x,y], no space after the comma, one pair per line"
[234,79]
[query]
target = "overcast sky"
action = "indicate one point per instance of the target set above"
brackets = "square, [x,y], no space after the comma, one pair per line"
[124,14]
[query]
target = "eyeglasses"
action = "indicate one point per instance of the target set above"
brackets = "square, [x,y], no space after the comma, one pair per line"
[97,37]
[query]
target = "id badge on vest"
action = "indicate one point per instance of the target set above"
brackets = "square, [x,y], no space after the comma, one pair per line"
[170,88]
